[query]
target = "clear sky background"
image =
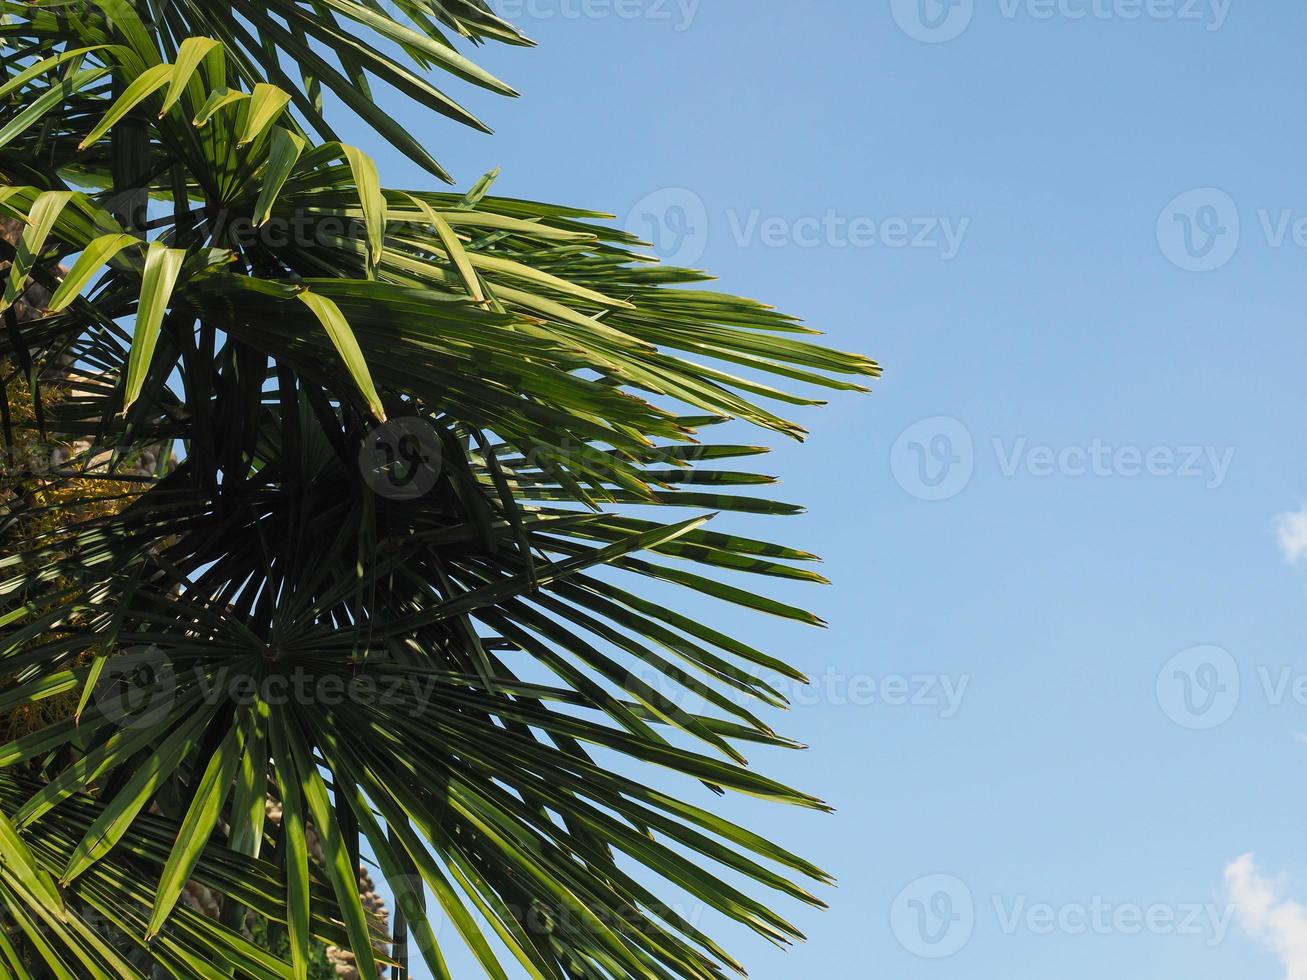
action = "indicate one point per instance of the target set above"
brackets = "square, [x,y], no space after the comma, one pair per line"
[1101,378]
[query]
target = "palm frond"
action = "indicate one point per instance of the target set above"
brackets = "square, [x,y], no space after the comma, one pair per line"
[464,681]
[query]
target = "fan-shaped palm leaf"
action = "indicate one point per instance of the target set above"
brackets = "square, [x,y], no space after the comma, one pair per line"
[464,682]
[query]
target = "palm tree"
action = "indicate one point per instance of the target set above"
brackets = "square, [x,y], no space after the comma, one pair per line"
[321,501]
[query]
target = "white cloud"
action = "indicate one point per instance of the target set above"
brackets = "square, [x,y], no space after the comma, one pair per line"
[1265,915]
[1291,532]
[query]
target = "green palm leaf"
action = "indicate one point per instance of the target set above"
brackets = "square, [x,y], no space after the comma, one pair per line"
[432,643]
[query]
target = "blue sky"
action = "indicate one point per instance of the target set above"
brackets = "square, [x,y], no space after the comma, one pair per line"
[1070,233]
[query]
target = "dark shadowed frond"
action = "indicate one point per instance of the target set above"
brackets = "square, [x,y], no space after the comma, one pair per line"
[359,507]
